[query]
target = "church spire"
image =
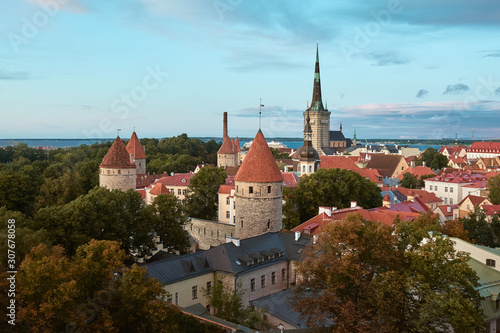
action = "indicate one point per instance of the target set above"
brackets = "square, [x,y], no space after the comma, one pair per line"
[317,103]
[307,128]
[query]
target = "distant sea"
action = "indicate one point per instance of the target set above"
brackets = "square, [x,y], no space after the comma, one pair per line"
[62,143]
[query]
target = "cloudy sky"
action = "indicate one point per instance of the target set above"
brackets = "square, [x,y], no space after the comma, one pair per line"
[389,69]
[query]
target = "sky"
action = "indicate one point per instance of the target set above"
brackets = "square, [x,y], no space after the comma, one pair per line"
[398,69]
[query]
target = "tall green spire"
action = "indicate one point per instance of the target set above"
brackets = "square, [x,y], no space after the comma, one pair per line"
[317,103]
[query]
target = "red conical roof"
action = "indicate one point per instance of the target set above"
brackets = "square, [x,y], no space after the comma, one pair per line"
[227,147]
[237,145]
[117,156]
[134,147]
[158,189]
[259,165]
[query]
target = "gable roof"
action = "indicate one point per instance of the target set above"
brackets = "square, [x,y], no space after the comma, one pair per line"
[259,165]
[158,189]
[179,179]
[385,164]
[418,171]
[474,199]
[444,209]
[135,148]
[290,179]
[426,197]
[337,136]
[117,156]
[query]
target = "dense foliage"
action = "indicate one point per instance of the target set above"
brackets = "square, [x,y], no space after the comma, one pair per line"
[433,159]
[92,292]
[202,197]
[366,276]
[494,188]
[330,188]
[411,181]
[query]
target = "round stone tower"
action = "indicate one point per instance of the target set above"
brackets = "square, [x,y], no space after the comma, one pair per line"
[137,154]
[258,192]
[116,170]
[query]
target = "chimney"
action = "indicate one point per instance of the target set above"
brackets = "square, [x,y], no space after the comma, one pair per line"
[224,130]
[236,241]
[423,163]
[412,164]
[386,201]
[297,235]
[326,210]
[411,196]
[353,204]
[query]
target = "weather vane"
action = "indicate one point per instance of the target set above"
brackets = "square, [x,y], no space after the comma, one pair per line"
[260,111]
[118,132]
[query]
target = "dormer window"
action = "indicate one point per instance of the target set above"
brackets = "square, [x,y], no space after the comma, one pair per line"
[490,262]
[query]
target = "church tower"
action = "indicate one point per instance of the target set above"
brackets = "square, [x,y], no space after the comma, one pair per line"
[137,154]
[319,115]
[259,192]
[117,171]
[307,158]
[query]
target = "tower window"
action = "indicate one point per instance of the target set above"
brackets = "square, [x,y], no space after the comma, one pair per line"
[242,223]
[268,224]
[250,189]
[269,189]
[119,172]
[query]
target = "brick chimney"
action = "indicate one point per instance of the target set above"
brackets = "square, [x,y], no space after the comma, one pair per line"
[224,130]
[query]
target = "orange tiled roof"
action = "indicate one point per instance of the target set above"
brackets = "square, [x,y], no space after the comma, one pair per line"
[225,189]
[134,147]
[418,171]
[117,156]
[158,189]
[259,165]
[179,179]
[227,146]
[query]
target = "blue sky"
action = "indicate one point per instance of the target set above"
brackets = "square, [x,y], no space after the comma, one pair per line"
[389,69]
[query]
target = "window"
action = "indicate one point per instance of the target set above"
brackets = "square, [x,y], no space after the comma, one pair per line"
[195,292]
[119,172]
[273,278]
[252,285]
[310,168]
[176,298]
[108,172]
[169,298]
[283,274]
[228,201]
[262,281]
[268,224]
[451,201]
[468,207]
[446,189]
[241,223]
[451,189]
[303,168]
[183,192]
[435,188]
[490,262]
[250,189]
[208,308]
[228,214]
[445,201]
[269,189]
[209,288]
[179,191]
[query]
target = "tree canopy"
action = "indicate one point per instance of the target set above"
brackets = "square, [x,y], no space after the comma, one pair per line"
[331,188]
[411,181]
[494,188]
[202,197]
[94,292]
[433,159]
[366,276]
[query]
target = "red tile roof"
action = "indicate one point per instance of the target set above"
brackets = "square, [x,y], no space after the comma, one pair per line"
[444,209]
[237,147]
[259,165]
[452,150]
[225,189]
[426,197]
[458,177]
[347,163]
[474,199]
[158,189]
[491,209]
[227,146]
[134,147]
[418,171]
[144,179]
[117,156]
[290,179]
[179,179]
[142,192]
[485,147]
[417,206]
[384,216]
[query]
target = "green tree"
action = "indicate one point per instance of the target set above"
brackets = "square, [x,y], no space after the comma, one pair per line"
[202,198]
[101,214]
[17,191]
[93,292]
[494,188]
[410,181]
[433,159]
[60,191]
[478,228]
[168,222]
[365,276]
[279,155]
[333,188]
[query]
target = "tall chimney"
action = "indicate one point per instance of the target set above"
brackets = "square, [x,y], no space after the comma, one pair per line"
[224,131]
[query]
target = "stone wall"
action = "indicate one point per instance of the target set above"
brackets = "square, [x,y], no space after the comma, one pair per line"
[118,179]
[320,125]
[230,160]
[140,165]
[209,233]
[258,212]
